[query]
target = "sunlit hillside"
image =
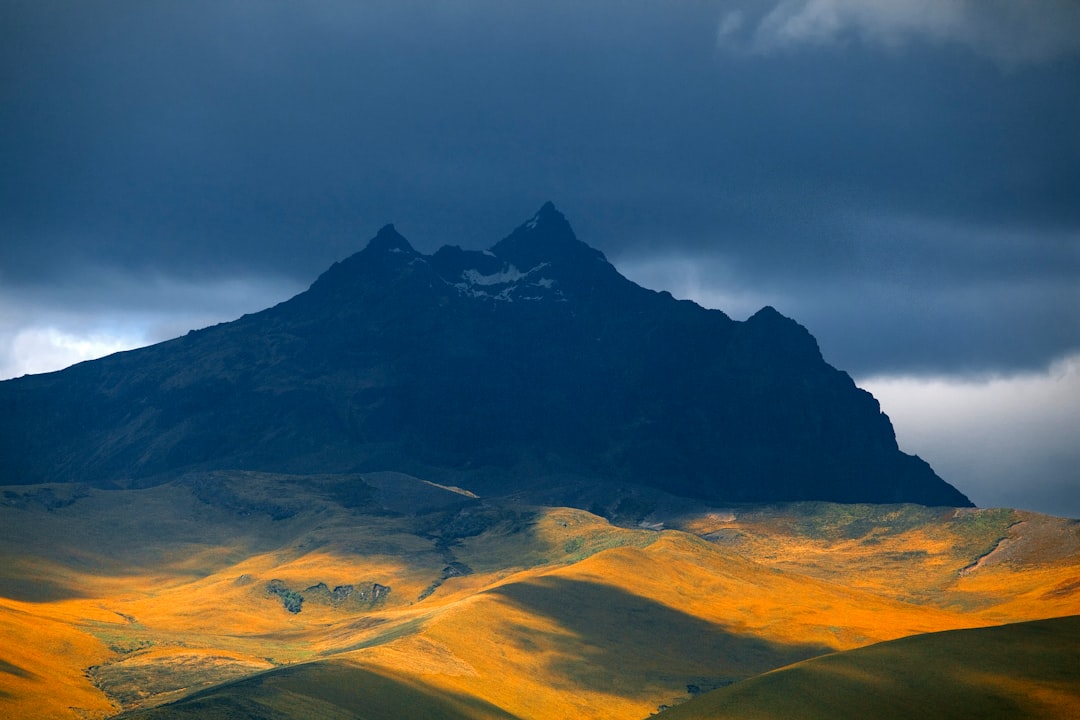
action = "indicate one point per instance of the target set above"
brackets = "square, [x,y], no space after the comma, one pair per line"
[242,595]
[1023,670]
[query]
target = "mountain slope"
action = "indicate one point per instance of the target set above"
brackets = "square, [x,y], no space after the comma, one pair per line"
[330,690]
[499,370]
[1024,670]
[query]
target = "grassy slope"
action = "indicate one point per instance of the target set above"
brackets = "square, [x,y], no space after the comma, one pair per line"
[1024,670]
[326,690]
[43,656]
[564,615]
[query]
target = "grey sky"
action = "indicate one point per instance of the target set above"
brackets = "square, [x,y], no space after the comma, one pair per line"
[902,178]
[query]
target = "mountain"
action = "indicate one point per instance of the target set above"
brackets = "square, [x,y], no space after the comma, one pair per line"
[531,365]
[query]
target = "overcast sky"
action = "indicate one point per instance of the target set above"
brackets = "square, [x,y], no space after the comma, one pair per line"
[903,178]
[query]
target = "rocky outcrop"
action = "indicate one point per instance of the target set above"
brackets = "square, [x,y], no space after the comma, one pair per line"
[363,596]
[454,569]
[290,599]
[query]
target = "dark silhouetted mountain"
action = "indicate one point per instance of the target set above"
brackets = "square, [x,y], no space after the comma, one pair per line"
[499,370]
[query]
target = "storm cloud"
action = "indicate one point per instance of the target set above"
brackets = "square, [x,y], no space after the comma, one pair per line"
[899,177]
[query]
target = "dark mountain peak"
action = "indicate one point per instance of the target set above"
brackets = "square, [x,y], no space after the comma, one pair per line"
[546,237]
[495,370]
[388,239]
[547,216]
[386,255]
[767,314]
[768,320]
[542,259]
[781,337]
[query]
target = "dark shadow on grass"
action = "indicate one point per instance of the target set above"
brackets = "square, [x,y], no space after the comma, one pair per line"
[324,689]
[10,669]
[616,640]
[36,590]
[1023,671]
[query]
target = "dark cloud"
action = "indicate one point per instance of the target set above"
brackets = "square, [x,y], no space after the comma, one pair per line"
[208,139]
[869,324]
[900,295]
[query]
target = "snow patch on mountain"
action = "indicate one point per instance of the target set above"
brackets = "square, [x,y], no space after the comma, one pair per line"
[510,275]
[505,284]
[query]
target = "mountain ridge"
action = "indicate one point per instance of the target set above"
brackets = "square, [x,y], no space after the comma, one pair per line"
[492,370]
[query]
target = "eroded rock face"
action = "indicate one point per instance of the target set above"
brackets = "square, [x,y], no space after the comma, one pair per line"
[496,371]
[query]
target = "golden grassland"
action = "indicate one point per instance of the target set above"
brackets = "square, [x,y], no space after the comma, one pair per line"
[155,602]
[1022,670]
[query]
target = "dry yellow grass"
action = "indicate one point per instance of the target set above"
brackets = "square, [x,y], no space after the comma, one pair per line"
[1024,670]
[43,659]
[563,614]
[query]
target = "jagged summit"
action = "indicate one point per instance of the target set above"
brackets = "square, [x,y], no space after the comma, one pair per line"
[545,237]
[788,341]
[498,371]
[388,239]
[384,255]
[548,220]
[549,208]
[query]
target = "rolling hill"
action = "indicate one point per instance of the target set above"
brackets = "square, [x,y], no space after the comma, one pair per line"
[171,601]
[1023,670]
